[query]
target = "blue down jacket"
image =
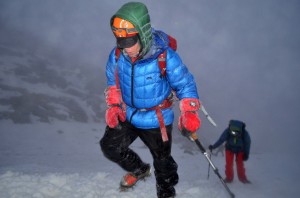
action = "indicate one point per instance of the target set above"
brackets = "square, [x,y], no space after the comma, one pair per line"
[143,86]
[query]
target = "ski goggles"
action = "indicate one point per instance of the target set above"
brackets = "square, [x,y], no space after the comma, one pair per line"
[123,32]
[122,28]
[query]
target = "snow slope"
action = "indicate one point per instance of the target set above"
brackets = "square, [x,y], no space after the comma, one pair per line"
[64,160]
[54,153]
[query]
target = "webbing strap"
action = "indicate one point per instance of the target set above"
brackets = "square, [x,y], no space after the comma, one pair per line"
[117,78]
[162,63]
[165,104]
[163,129]
[117,55]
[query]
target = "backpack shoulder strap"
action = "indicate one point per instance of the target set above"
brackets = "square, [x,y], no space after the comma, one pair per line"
[117,55]
[172,42]
[162,63]
[162,57]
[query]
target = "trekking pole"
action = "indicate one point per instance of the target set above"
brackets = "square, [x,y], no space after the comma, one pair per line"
[194,137]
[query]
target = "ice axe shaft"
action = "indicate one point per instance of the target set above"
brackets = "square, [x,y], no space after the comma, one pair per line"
[202,149]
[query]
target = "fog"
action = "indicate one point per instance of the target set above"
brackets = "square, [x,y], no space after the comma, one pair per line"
[243,54]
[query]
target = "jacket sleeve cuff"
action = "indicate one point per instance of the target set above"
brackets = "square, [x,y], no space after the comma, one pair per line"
[189,104]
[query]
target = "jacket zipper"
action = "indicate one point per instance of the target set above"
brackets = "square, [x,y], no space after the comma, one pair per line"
[132,76]
[132,100]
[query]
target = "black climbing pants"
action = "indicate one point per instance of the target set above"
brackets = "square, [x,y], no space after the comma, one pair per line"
[115,146]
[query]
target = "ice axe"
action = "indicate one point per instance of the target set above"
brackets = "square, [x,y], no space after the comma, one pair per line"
[193,137]
[207,115]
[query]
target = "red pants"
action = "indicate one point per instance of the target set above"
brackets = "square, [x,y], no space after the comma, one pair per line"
[239,166]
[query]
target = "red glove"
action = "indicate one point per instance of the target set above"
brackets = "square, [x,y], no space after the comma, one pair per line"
[113,115]
[189,118]
[115,111]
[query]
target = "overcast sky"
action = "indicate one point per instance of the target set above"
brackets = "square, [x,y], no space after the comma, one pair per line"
[243,54]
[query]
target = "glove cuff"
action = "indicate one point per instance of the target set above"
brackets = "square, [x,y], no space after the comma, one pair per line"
[189,104]
[113,96]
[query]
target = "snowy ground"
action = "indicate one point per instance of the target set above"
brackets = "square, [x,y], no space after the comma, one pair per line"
[64,160]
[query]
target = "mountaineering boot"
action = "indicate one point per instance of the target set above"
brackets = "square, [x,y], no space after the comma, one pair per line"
[131,178]
[245,181]
[165,192]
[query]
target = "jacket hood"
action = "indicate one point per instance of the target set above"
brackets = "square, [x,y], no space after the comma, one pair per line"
[236,125]
[137,14]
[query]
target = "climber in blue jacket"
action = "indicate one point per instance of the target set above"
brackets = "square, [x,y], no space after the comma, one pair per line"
[144,73]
